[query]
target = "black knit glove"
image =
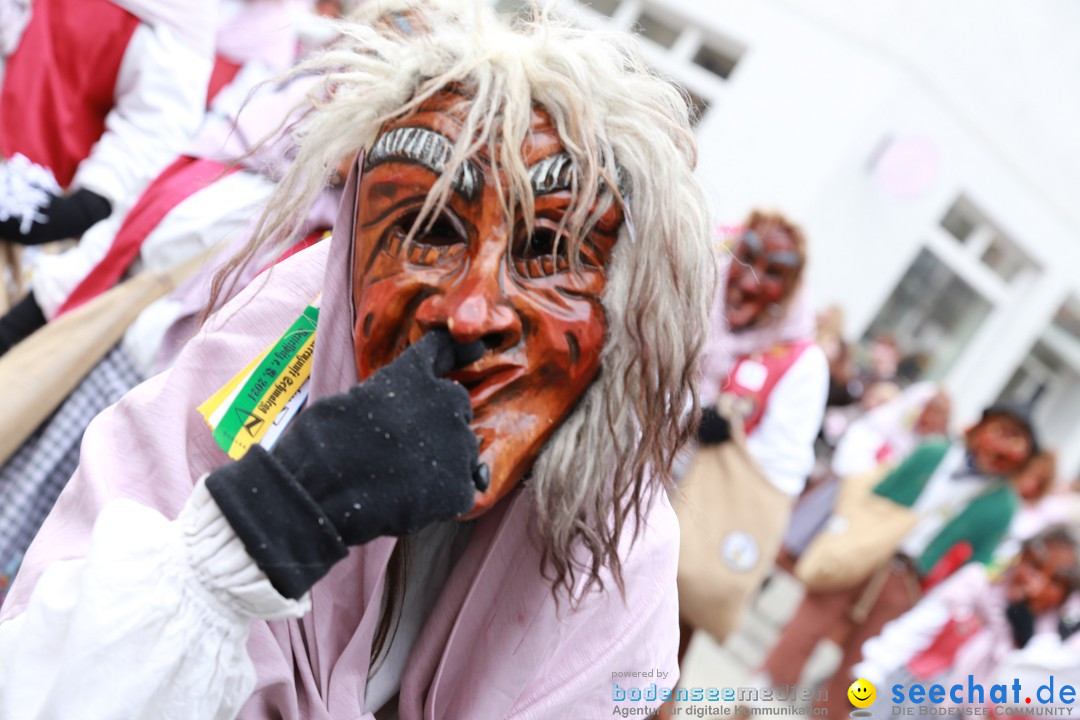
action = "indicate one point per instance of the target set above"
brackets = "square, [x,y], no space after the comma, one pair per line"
[66,216]
[1021,622]
[391,456]
[21,321]
[714,428]
[1068,626]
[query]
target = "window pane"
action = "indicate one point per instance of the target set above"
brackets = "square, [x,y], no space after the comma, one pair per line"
[1033,374]
[1005,259]
[1068,320]
[657,30]
[958,221]
[604,7]
[698,107]
[716,61]
[931,311]
[1049,380]
[511,7]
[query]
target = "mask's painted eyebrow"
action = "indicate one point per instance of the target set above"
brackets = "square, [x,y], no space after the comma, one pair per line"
[553,173]
[424,147]
[753,242]
[789,259]
[556,172]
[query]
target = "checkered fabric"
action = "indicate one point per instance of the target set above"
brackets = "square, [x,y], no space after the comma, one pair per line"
[33,477]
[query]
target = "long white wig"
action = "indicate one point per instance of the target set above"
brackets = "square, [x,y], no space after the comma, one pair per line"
[628,133]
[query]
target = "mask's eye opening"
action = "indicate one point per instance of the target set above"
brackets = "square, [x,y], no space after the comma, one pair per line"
[432,239]
[543,254]
[443,231]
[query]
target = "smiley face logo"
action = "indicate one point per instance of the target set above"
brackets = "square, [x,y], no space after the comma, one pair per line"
[861,693]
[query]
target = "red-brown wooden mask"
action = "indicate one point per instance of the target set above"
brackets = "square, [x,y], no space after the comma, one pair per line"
[476,275]
[999,444]
[762,275]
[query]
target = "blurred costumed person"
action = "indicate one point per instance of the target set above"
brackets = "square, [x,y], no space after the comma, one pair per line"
[212,195]
[890,432]
[96,98]
[1042,504]
[1018,624]
[955,503]
[492,363]
[764,392]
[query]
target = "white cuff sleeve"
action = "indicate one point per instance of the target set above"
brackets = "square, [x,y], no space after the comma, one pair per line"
[152,623]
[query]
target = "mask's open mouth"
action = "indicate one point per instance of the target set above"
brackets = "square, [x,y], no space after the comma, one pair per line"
[484,378]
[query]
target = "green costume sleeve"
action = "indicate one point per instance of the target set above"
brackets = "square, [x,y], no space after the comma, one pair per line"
[982,524]
[904,484]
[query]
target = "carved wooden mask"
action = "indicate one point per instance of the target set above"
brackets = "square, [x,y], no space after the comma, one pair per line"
[481,278]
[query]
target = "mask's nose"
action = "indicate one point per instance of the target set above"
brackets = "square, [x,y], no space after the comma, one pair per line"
[474,308]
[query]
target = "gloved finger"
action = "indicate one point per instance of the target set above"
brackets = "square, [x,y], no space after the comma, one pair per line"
[428,350]
[439,351]
[482,477]
[466,353]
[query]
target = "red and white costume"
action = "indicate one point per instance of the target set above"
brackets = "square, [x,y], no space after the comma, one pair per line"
[783,377]
[101,94]
[111,90]
[194,203]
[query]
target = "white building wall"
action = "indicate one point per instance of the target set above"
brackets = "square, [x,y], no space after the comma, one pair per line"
[983,95]
[979,87]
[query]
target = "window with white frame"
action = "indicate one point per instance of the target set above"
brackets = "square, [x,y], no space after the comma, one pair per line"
[1049,377]
[966,267]
[709,51]
[982,239]
[932,312]
[658,29]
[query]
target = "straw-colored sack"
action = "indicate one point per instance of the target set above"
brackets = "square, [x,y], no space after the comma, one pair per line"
[864,532]
[732,520]
[43,369]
